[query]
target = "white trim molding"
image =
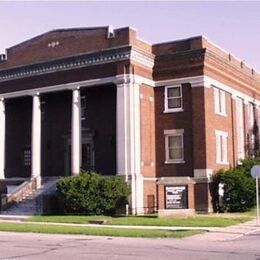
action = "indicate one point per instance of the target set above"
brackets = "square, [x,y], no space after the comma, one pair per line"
[196,81]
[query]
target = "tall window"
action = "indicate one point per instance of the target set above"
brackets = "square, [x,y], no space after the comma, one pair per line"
[221,147]
[83,107]
[174,146]
[240,129]
[251,116]
[251,125]
[173,99]
[220,102]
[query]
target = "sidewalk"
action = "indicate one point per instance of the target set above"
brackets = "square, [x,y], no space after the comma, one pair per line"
[212,233]
[229,233]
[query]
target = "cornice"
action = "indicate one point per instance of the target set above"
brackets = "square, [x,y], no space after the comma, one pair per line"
[253,75]
[143,58]
[75,62]
[80,61]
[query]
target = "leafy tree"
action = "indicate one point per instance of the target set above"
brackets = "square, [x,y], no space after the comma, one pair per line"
[239,187]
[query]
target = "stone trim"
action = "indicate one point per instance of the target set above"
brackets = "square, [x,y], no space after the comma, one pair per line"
[175,180]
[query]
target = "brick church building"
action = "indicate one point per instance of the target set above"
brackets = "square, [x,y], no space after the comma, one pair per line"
[163,116]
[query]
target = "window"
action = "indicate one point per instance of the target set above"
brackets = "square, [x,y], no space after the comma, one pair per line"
[173,99]
[174,146]
[83,107]
[220,102]
[240,129]
[251,117]
[27,157]
[221,147]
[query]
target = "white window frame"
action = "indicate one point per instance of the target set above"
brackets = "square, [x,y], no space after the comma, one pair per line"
[167,134]
[166,105]
[220,103]
[221,147]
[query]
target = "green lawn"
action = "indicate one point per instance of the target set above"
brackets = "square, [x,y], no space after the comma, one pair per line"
[118,232]
[196,221]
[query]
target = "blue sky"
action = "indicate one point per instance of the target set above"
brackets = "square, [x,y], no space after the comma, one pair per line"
[235,26]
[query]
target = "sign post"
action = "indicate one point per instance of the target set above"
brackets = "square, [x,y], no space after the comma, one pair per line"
[255,173]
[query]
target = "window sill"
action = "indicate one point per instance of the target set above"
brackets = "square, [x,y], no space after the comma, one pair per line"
[173,110]
[174,162]
[221,114]
[224,163]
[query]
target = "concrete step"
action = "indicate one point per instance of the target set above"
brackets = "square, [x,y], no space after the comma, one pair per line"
[31,204]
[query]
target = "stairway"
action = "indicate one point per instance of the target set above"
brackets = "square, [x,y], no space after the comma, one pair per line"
[32,203]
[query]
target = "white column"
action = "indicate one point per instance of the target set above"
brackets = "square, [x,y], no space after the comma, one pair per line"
[2,139]
[76,132]
[137,178]
[122,130]
[129,141]
[36,139]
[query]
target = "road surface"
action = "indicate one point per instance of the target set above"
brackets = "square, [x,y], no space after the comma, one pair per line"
[43,246]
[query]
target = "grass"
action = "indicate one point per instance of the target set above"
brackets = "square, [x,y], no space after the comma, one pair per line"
[58,229]
[220,220]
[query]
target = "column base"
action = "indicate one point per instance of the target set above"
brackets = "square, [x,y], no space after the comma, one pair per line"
[36,182]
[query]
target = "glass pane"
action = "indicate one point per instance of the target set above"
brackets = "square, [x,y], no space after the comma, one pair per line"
[174,103]
[175,153]
[174,92]
[175,141]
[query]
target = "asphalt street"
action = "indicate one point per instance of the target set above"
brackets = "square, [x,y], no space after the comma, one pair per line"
[43,246]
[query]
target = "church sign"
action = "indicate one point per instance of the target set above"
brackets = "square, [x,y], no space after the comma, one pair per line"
[176,197]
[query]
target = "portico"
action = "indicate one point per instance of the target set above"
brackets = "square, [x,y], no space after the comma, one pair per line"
[121,133]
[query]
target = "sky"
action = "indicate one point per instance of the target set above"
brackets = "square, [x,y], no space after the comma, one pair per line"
[233,25]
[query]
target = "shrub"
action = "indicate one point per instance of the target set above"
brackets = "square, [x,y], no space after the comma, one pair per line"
[92,194]
[239,187]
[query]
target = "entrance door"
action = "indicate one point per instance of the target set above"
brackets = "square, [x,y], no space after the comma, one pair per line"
[87,155]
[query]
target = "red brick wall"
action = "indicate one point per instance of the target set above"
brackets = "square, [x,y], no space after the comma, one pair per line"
[150,189]
[199,152]
[217,122]
[147,131]
[177,120]
[71,42]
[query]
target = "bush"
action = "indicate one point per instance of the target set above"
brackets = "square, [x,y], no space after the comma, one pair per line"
[239,187]
[92,194]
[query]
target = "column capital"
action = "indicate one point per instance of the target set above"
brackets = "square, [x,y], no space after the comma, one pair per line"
[75,88]
[36,94]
